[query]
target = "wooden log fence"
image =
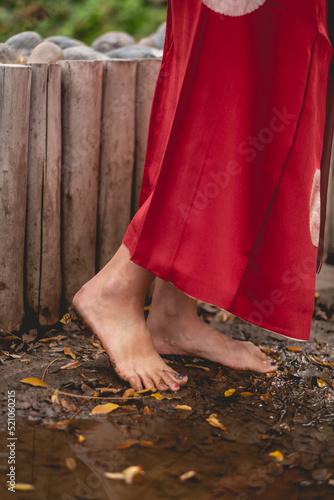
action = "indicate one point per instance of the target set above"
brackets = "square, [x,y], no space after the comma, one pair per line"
[72,151]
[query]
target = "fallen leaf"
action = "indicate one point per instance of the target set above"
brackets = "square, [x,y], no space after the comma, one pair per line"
[109,389]
[330,383]
[81,439]
[104,409]
[323,363]
[88,390]
[34,381]
[159,396]
[320,383]
[24,487]
[229,393]
[277,456]
[143,391]
[148,410]
[67,318]
[129,444]
[265,397]
[127,475]
[58,338]
[71,463]
[128,394]
[295,349]
[183,407]
[54,397]
[67,405]
[70,366]
[267,350]
[246,394]
[187,475]
[97,345]
[215,422]
[205,368]
[68,352]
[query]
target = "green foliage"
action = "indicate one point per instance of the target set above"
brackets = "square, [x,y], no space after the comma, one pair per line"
[82,19]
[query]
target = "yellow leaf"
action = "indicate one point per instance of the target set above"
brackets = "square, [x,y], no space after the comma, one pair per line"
[68,352]
[34,381]
[81,439]
[267,350]
[148,410]
[95,344]
[320,383]
[127,475]
[54,397]
[67,318]
[128,444]
[183,407]
[295,349]
[201,367]
[103,409]
[70,463]
[188,475]
[24,487]
[215,422]
[143,391]
[246,394]
[277,455]
[229,393]
[70,366]
[67,405]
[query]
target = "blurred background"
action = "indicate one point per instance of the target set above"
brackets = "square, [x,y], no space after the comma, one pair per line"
[81,19]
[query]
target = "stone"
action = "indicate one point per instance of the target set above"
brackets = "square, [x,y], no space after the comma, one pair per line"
[156,40]
[46,53]
[112,40]
[83,53]
[7,54]
[24,43]
[64,42]
[134,52]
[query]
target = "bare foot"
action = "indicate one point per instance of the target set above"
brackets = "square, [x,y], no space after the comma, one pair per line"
[111,306]
[176,329]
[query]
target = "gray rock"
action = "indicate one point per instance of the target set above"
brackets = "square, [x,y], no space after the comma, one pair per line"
[112,40]
[7,54]
[65,41]
[134,52]
[45,52]
[83,53]
[24,43]
[157,40]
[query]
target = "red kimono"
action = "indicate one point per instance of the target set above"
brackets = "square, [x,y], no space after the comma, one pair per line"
[237,160]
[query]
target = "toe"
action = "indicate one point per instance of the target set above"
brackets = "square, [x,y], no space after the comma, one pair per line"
[178,378]
[148,382]
[167,379]
[135,382]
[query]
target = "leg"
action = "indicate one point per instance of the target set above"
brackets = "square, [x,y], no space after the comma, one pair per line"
[111,304]
[177,329]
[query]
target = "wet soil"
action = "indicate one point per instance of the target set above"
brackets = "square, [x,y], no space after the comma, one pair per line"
[64,452]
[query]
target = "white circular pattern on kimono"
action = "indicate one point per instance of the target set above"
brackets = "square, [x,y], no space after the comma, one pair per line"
[233,7]
[315,209]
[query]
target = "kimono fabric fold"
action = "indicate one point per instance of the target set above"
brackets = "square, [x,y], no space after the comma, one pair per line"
[234,187]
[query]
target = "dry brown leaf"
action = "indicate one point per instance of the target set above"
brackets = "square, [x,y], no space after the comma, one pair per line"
[68,352]
[109,389]
[104,409]
[205,368]
[58,338]
[68,406]
[128,394]
[148,410]
[265,397]
[54,397]
[68,317]
[34,381]
[187,475]
[246,394]
[127,444]
[323,363]
[60,426]
[97,345]
[71,463]
[321,383]
[71,365]
[81,439]
[183,407]
[215,422]
[295,349]
[267,350]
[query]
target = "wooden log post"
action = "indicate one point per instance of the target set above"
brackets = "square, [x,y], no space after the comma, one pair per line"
[147,73]
[43,267]
[117,155]
[15,82]
[81,122]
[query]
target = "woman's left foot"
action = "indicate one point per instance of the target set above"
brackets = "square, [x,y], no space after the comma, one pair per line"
[176,329]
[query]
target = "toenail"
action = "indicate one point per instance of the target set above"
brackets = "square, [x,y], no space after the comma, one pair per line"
[273,363]
[176,386]
[181,377]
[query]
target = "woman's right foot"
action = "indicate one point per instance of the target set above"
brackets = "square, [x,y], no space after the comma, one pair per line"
[110,304]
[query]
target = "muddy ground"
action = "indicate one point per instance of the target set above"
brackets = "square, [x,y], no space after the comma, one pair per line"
[273,436]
